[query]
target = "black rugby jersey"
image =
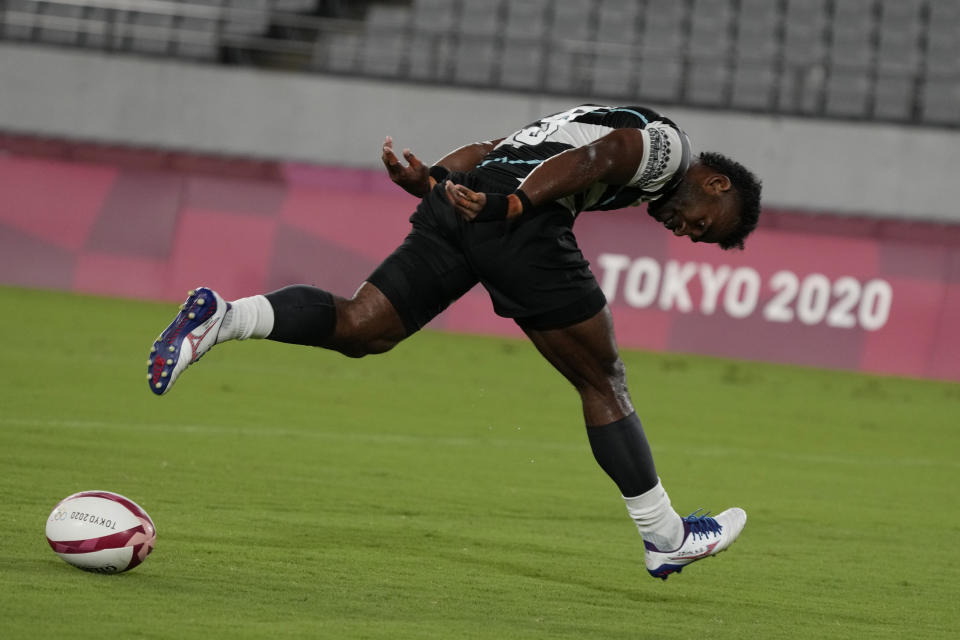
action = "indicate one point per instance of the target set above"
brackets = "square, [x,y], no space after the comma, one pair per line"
[666,153]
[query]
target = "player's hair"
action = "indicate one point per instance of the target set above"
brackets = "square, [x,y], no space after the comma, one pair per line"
[748,190]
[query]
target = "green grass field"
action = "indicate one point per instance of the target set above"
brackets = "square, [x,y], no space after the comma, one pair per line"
[447,490]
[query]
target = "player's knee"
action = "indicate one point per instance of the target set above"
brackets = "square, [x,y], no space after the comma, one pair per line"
[619,373]
[362,332]
[366,347]
[606,380]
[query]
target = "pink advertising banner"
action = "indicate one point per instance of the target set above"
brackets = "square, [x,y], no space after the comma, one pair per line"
[817,290]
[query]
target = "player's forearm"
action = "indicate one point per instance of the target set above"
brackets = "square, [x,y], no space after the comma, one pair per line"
[611,160]
[567,173]
[468,156]
[562,175]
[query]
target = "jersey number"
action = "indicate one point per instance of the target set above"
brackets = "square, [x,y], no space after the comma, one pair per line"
[541,130]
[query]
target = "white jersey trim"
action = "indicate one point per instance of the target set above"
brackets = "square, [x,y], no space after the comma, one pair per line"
[662,156]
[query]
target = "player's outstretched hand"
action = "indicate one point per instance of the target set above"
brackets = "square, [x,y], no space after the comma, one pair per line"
[414,178]
[468,203]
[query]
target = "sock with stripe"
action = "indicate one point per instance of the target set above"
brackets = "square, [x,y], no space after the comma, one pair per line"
[622,451]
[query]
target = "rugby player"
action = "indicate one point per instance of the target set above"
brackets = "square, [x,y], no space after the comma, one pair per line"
[501,213]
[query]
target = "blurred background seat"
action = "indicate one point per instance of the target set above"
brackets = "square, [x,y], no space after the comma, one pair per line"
[662,41]
[886,60]
[478,41]
[710,52]
[757,51]
[569,33]
[524,31]
[386,37]
[431,47]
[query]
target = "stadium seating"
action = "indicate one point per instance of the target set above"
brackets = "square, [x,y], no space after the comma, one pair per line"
[710,47]
[755,62]
[568,28]
[898,58]
[661,71]
[58,32]
[432,28]
[524,31]
[892,60]
[940,102]
[616,37]
[384,48]
[477,41]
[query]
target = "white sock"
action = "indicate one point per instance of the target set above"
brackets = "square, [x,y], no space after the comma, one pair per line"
[247,318]
[658,523]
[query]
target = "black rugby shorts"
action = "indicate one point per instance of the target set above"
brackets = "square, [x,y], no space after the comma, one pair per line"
[532,267]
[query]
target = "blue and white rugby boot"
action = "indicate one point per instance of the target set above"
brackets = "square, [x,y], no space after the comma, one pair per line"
[703,536]
[186,339]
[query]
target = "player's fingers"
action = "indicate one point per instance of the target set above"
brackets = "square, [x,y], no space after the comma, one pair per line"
[468,194]
[448,188]
[412,159]
[455,197]
[465,196]
[389,158]
[464,200]
[454,189]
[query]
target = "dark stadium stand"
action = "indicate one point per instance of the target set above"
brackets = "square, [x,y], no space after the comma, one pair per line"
[873,60]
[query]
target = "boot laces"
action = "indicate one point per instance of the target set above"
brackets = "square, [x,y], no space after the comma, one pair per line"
[702,526]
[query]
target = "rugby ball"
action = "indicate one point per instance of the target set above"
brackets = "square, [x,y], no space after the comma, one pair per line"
[100,531]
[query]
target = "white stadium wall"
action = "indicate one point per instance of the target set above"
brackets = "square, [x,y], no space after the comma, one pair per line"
[841,167]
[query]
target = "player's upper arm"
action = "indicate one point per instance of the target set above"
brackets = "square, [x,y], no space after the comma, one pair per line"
[618,154]
[468,156]
[645,158]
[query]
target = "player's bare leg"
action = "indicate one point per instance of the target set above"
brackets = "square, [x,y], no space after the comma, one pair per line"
[362,325]
[365,324]
[586,354]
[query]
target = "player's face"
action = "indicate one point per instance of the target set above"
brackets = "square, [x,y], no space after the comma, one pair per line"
[704,211]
